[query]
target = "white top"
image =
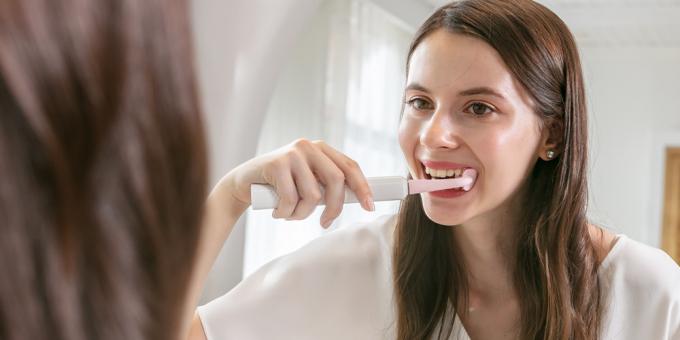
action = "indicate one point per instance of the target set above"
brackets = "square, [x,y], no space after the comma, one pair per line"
[339,287]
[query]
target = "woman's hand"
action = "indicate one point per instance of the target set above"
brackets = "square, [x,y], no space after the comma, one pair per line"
[296,172]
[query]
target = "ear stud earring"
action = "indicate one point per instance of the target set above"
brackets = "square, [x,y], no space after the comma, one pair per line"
[550,154]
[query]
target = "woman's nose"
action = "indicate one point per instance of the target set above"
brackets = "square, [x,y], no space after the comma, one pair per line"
[440,132]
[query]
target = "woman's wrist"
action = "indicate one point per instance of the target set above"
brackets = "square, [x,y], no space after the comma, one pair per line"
[223,209]
[223,199]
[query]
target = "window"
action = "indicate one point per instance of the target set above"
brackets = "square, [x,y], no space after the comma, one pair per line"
[344,85]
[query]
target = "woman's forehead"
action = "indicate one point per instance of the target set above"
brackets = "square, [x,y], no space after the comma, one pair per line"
[446,61]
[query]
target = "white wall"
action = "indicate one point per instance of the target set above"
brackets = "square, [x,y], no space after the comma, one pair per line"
[633,94]
[631,58]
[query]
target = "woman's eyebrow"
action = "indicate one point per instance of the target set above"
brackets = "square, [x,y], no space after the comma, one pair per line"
[417,87]
[483,90]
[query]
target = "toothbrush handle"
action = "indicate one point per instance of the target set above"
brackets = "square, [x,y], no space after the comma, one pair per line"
[388,188]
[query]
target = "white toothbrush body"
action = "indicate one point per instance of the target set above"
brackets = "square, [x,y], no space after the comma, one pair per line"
[389,188]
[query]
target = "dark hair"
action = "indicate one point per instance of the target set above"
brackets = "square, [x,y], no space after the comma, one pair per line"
[555,274]
[103,169]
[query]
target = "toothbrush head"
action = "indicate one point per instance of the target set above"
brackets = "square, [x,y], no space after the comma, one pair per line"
[469,173]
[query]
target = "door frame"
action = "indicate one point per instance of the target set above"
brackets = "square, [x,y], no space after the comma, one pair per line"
[662,140]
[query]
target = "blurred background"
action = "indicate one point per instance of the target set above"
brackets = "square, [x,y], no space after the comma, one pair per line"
[274,71]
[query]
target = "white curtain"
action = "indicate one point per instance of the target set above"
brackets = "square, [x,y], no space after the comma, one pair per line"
[343,85]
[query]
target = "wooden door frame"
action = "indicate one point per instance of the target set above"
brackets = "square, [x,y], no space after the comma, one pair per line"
[662,141]
[671,220]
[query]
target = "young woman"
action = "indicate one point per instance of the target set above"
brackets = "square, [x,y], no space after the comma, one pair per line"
[492,85]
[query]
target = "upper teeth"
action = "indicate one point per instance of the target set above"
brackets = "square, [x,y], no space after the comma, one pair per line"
[442,173]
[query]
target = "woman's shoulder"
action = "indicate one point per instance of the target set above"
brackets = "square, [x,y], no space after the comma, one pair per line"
[343,253]
[365,239]
[343,277]
[641,286]
[641,266]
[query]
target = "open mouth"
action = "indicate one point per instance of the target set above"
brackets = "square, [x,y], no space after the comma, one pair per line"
[444,170]
[431,173]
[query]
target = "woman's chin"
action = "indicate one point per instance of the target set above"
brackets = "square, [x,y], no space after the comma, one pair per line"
[443,216]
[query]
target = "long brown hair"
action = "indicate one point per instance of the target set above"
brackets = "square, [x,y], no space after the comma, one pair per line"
[103,169]
[555,275]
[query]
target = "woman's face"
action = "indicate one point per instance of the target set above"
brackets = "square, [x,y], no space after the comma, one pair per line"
[464,109]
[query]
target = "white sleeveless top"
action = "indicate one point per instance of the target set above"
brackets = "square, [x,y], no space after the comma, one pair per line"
[339,287]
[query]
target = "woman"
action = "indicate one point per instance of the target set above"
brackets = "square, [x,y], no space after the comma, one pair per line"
[103,165]
[491,85]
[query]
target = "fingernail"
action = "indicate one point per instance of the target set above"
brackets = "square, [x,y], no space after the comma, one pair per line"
[368,203]
[326,223]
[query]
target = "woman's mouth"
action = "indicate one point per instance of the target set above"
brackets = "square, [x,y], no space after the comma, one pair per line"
[440,169]
[443,173]
[443,170]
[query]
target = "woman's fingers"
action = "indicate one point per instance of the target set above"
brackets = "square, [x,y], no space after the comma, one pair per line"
[333,181]
[281,179]
[309,192]
[325,173]
[298,172]
[353,176]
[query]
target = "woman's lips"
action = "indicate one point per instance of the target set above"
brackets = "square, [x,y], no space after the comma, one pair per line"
[444,165]
[448,193]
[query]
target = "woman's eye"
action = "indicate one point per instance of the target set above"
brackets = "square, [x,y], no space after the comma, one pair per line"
[480,109]
[419,104]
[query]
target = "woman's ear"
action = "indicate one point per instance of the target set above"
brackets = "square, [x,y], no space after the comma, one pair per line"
[550,141]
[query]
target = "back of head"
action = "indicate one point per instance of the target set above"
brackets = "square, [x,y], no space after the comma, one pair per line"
[103,168]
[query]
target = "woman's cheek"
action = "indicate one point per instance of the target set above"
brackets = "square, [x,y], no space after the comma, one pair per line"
[505,163]
[408,139]
[493,156]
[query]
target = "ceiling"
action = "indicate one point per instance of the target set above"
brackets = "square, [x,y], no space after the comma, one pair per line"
[586,3]
[641,23]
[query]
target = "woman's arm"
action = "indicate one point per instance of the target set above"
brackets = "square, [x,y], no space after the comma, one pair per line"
[196,331]
[222,211]
[295,171]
